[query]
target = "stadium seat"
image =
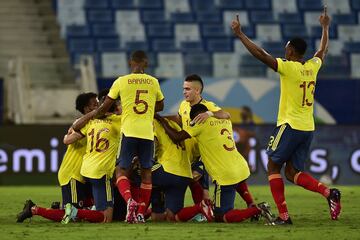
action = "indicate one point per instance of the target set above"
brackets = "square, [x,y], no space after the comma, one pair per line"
[96,4]
[355,5]
[108,44]
[208,17]
[336,46]
[228,16]
[104,30]
[258,4]
[276,49]
[316,32]
[163,45]
[312,18]
[226,64]
[170,65]
[336,6]
[213,30]
[200,63]
[160,30]
[344,18]
[310,5]
[294,30]
[201,5]
[81,45]
[262,17]
[355,70]
[186,32]
[150,4]
[130,32]
[127,16]
[78,31]
[268,32]
[122,4]
[191,46]
[349,32]
[182,17]
[352,47]
[220,45]
[231,4]
[176,6]
[99,16]
[290,18]
[284,6]
[136,45]
[114,64]
[149,16]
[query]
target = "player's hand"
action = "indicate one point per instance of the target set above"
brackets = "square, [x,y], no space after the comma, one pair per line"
[157,116]
[70,131]
[324,19]
[236,26]
[201,118]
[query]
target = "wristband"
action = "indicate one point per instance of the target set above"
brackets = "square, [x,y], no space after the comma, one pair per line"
[210,113]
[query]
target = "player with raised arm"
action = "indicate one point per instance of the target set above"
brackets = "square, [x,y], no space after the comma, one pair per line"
[292,137]
[223,162]
[103,136]
[70,180]
[141,97]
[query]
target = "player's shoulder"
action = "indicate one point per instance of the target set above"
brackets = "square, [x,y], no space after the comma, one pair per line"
[315,60]
[209,103]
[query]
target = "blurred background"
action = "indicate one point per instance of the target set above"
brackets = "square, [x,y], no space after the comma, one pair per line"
[52,50]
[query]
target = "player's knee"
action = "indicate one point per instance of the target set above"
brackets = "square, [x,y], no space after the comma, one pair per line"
[290,174]
[170,216]
[219,217]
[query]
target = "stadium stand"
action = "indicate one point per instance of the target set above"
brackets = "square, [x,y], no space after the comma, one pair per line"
[195,34]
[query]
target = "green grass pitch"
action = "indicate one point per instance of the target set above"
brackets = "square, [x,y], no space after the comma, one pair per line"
[309,212]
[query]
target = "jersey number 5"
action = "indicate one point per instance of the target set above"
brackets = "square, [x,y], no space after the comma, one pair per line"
[305,86]
[139,101]
[99,141]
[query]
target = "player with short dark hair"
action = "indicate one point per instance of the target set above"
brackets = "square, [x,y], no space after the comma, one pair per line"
[292,137]
[72,183]
[223,162]
[141,97]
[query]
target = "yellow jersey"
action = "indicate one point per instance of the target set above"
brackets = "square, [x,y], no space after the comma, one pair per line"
[138,94]
[172,157]
[218,152]
[103,137]
[71,163]
[297,84]
[185,108]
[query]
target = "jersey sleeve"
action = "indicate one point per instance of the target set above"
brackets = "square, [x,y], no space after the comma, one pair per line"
[212,107]
[115,89]
[194,130]
[280,65]
[85,129]
[316,62]
[159,94]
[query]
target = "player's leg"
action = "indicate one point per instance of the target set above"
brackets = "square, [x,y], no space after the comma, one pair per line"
[295,173]
[30,209]
[281,146]
[243,190]
[145,150]
[123,169]
[197,184]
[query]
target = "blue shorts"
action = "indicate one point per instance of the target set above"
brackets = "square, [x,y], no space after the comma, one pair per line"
[74,193]
[131,147]
[224,198]
[287,144]
[199,167]
[102,192]
[168,191]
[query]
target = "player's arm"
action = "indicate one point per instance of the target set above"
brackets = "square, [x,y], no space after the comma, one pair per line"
[72,137]
[255,50]
[221,114]
[175,136]
[159,105]
[324,20]
[175,118]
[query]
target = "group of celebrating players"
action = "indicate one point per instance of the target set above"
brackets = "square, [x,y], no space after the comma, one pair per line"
[123,156]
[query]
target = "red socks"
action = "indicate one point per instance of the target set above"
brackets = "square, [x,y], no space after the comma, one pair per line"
[123,185]
[48,213]
[310,183]
[145,196]
[237,215]
[187,213]
[242,189]
[197,192]
[277,190]
[90,215]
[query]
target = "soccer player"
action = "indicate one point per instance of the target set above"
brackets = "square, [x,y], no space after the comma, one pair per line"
[292,137]
[171,176]
[99,161]
[141,97]
[71,182]
[223,162]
